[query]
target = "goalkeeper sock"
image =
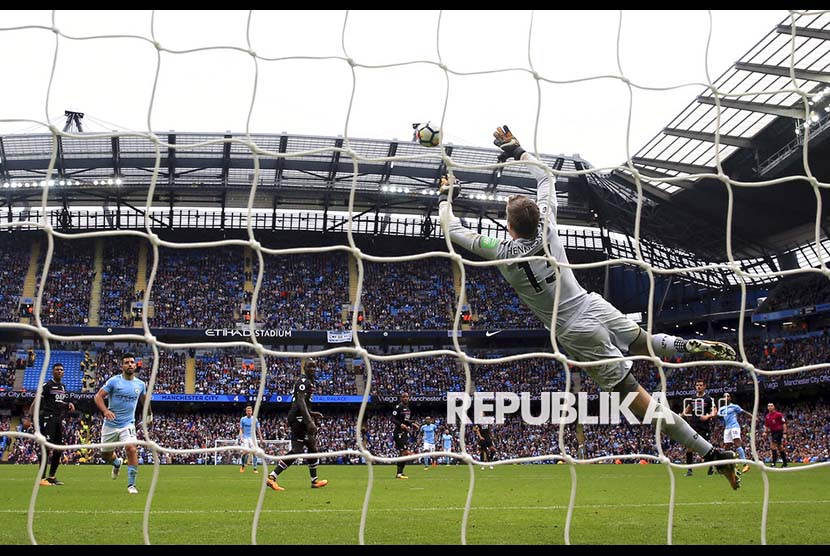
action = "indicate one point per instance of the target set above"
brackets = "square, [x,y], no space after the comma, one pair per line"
[741,452]
[400,468]
[665,345]
[681,432]
[774,457]
[784,457]
[132,471]
[690,458]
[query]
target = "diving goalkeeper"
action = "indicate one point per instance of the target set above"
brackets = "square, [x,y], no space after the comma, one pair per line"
[587,326]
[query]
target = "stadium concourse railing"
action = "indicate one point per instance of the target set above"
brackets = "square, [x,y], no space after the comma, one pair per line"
[89,220]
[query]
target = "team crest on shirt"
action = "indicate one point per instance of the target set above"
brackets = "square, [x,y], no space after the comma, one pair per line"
[137,390]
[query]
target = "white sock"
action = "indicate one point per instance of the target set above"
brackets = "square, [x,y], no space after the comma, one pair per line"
[681,432]
[665,345]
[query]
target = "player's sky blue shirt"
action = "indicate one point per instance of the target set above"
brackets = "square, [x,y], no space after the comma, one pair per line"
[246,423]
[123,397]
[730,415]
[447,441]
[429,433]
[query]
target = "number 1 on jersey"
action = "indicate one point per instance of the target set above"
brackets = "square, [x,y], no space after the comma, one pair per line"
[525,265]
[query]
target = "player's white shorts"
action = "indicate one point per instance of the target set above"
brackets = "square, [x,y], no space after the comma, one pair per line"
[247,443]
[731,434]
[429,447]
[597,330]
[124,434]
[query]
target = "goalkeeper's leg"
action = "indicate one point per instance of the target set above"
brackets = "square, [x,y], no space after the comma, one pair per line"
[678,430]
[665,345]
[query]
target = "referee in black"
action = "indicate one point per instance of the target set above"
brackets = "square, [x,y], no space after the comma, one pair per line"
[53,408]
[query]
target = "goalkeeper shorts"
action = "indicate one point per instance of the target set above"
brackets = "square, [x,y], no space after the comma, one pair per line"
[597,331]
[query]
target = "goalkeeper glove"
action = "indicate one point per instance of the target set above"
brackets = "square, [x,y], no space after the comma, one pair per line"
[445,187]
[507,143]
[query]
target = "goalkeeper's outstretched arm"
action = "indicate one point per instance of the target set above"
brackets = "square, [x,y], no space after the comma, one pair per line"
[487,247]
[545,180]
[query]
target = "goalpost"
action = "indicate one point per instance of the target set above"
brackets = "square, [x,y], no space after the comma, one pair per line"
[269,446]
[275,448]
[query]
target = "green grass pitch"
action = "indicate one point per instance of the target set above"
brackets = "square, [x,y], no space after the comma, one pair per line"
[512,504]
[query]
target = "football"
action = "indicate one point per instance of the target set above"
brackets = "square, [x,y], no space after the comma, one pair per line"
[428,135]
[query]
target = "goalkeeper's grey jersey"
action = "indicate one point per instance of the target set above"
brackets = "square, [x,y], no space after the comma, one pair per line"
[534,281]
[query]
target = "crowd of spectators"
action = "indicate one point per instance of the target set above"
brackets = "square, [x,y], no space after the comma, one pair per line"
[12,274]
[237,371]
[801,290]
[409,295]
[118,278]
[198,288]
[68,286]
[303,292]
[8,366]
[204,288]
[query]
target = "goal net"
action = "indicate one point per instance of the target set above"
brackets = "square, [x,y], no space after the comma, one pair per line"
[512,62]
[270,447]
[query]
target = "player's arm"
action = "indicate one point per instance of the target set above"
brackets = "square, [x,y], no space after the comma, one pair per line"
[312,426]
[712,412]
[545,180]
[487,247]
[100,396]
[241,435]
[140,405]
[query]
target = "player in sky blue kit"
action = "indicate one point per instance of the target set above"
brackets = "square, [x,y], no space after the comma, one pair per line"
[428,428]
[446,439]
[124,392]
[731,428]
[246,439]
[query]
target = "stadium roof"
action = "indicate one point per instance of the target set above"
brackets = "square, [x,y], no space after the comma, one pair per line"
[214,169]
[683,223]
[761,138]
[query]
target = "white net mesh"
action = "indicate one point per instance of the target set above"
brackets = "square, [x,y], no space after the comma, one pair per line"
[236,454]
[258,153]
